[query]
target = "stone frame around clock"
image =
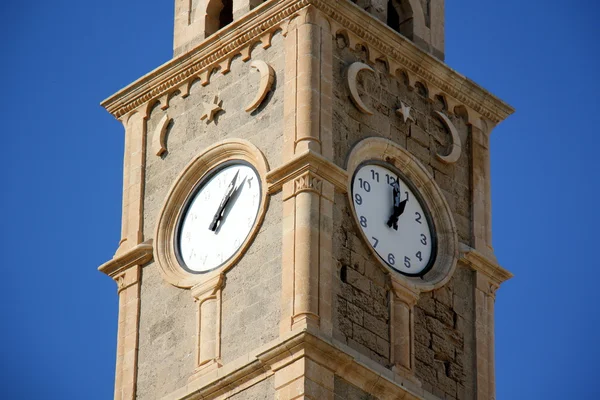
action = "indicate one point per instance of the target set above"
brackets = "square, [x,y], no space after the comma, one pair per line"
[178,195]
[447,252]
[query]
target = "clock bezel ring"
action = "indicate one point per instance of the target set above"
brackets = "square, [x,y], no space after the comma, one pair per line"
[205,179]
[419,197]
[182,190]
[447,249]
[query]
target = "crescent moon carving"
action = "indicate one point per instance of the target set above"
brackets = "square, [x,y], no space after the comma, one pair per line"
[456,149]
[159,145]
[267,76]
[353,71]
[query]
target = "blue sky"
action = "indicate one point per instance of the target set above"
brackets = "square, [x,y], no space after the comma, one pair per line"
[61,172]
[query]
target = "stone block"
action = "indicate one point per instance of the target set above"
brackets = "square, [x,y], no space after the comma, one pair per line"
[377,326]
[364,336]
[357,280]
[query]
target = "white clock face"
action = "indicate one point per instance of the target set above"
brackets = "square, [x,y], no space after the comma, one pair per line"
[218,217]
[393,219]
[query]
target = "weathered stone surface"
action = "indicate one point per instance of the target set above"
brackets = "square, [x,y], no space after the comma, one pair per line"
[251,300]
[263,390]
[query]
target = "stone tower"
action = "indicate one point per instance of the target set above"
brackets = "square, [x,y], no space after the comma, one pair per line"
[317,100]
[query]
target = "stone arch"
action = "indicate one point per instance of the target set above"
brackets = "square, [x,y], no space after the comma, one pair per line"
[218,14]
[406,17]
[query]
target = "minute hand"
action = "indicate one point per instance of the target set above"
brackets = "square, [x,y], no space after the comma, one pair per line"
[226,197]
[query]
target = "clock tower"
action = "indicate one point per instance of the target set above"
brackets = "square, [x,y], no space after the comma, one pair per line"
[306,209]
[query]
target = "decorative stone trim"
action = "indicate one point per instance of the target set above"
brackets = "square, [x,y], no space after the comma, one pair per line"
[445,228]
[184,184]
[402,323]
[281,358]
[308,182]
[480,263]
[380,41]
[120,264]
[208,350]
[267,77]
[307,161]
[488,277]
[159,144]
[456,147]
[352,74]
[125,268]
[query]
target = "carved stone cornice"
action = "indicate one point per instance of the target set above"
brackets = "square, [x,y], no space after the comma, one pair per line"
[139,255]
[307,162]
[479,262]
[216,52]
[381,42]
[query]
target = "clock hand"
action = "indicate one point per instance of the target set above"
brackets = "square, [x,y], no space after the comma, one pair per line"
[230,202]
[224,201]
[399,206]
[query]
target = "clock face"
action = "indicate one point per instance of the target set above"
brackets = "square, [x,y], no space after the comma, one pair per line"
[218,217]
[393,218]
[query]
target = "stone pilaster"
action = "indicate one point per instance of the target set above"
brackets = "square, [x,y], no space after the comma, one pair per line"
[207,296]
[133,180]
[125,269]
[488,277]
[481,193]
[308,194]
[404,298]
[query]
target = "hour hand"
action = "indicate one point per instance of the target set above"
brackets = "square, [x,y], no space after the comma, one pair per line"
[399,206]
[393,221]
[224,201]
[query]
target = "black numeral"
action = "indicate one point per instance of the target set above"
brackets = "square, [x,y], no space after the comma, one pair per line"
[364,185]
[375,175]
[423,239]
[418,219]
[391,259]
[376,241]
[418,255]
[407,262]
[363,222]
[390,179]
[406,195]
[358,199]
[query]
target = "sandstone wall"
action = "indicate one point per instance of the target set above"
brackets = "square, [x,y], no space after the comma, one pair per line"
[444,318]
[251,295]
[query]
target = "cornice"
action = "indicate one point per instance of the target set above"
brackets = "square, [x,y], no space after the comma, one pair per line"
[139,255]
[481,263]
[238,38]
[215,52]
[343,361]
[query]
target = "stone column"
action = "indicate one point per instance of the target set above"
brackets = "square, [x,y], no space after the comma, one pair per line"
[308,196]
[404,298]
[126,269]
[133,180]
[488,277]
[481,193]
[208,297]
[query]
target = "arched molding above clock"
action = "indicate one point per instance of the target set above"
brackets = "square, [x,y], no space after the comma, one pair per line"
[182,189]
[384,150]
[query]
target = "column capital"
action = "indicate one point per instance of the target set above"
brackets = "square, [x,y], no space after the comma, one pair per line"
[120,264]
[494,273]
[405,291]
[208,287]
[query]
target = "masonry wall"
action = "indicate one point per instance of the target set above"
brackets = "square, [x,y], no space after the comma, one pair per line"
[263,390]
[343,390]
[444,318]
[251,295]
